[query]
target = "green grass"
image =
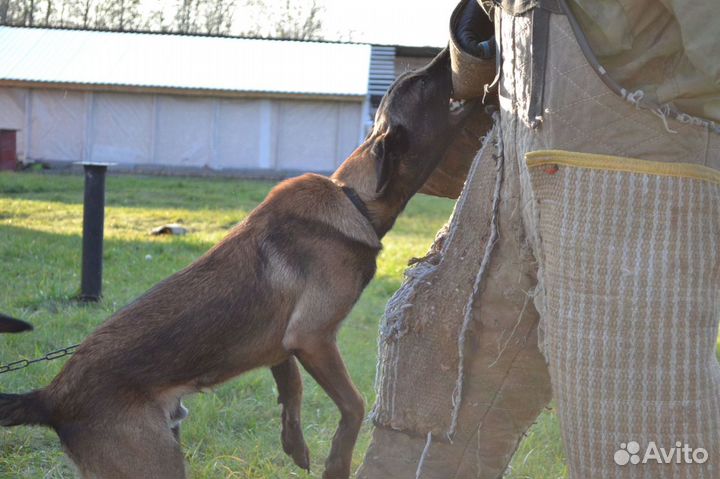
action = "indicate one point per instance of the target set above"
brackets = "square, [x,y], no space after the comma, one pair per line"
[234,431]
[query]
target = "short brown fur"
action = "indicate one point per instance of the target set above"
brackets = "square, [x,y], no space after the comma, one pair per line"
[275,289]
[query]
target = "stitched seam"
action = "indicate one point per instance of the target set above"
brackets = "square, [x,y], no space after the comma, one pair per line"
[628,165]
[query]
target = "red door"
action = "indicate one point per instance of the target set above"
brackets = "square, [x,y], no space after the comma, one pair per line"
[8,150]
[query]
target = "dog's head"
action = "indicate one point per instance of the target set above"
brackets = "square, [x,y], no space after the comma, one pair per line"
[412,127]
[12,325]
[412,130]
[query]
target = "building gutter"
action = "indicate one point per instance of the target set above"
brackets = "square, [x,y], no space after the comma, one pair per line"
[204,92]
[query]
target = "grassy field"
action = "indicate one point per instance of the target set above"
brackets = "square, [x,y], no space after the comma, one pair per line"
[234,431]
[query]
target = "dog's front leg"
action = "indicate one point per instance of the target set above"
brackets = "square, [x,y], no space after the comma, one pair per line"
[290,388]
[321,358]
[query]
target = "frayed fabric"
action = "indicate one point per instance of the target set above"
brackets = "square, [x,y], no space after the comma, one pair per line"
[415,329]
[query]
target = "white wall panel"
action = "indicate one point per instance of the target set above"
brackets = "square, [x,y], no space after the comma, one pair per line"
[121,128]
[12,108]
[348,132]
[184,131]
[57,125]
[237,134]
[306,132]
[12,114]
[165,130]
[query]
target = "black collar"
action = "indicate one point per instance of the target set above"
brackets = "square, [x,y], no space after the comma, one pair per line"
[357,201]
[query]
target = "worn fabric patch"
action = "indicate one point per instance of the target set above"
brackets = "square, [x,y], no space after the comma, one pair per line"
[630,309]
[419,357]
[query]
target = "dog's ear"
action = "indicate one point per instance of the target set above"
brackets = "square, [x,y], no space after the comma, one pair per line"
[386,150]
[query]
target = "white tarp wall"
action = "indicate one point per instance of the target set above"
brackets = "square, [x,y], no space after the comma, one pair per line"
[12,114]
[181,131]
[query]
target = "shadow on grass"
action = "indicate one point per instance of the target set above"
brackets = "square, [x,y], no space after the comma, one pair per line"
[42,270]
[150,192]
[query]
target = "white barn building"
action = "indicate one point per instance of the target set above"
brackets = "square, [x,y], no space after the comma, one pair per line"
[174,103]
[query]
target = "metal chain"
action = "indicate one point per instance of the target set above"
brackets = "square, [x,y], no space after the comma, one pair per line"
[23,363]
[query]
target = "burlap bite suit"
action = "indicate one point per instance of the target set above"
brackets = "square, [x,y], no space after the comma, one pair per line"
[605,214]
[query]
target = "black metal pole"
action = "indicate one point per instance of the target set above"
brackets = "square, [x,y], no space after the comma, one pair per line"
[93,220]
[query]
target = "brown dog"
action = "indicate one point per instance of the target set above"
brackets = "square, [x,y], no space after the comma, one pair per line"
[275,289]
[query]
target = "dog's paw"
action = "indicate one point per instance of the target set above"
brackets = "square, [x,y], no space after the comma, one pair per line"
[301,457]
[336,467]
[294,446]
[342,472]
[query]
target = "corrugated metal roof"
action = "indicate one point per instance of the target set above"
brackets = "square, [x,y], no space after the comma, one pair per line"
[183,62]
[382,69]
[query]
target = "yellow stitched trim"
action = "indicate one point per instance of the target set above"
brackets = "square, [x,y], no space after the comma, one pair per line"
[619,163]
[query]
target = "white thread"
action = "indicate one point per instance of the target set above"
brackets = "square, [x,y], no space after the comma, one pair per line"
[426,451]
[467,319]
[634,97]
[514,329]
[663,113]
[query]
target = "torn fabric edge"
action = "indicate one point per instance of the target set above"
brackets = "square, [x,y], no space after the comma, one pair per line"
[468,313]
[468,310]
[636,98]
[394,323]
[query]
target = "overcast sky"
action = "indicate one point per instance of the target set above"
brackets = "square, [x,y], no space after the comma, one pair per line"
[403,22]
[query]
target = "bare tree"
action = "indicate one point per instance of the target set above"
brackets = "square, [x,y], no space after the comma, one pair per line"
[85,12]
[18,12]
[118,15]
[48,11]
[300,21]
[4,10]
[186,17]
[213,17]
[29,14]
[74,13]
[296,20]
[157,21]
[61,13]
[218,16]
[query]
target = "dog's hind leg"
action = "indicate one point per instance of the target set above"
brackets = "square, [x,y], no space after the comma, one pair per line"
[290,388]
[321,358]
[132,447]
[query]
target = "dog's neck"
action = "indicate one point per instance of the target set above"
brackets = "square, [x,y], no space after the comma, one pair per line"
[359,175]
[357,201]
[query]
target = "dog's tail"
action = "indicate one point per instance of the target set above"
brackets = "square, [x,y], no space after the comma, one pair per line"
[12,325]
[23,409]
[18,409]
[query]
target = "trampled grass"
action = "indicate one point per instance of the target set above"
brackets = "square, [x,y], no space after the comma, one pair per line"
[232,432]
